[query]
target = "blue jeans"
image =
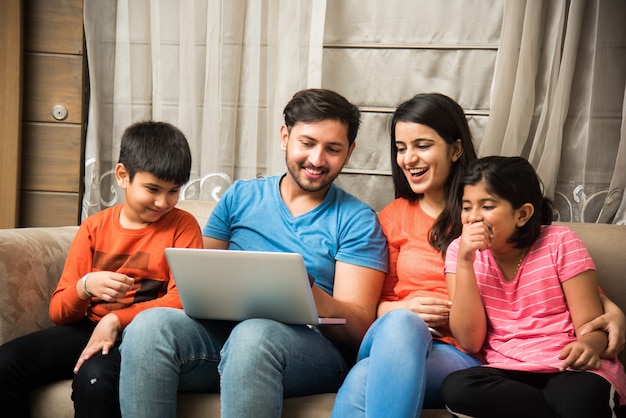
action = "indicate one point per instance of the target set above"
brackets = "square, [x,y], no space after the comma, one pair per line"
[399,369]
[253,364]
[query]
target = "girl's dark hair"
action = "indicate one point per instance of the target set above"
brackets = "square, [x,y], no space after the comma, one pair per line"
[314,105]
[513,179]
[158,148]
[446,117]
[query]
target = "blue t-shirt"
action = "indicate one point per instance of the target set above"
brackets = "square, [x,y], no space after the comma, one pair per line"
[252,216]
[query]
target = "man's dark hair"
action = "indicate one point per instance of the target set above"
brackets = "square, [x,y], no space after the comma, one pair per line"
[158,148]
[315,105]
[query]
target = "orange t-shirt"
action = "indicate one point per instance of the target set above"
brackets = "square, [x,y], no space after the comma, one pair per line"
[102,244]
[415,267]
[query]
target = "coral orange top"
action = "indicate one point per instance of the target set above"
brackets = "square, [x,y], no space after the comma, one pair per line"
[415,267]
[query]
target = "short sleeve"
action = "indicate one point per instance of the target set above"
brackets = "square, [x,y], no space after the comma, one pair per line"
[452,255]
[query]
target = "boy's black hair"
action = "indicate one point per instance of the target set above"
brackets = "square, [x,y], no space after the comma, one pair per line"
[158,148]
[514,179]
[446,117]
[315,105]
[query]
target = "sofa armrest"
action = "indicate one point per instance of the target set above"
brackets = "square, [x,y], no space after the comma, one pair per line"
[606,246]
[31,262]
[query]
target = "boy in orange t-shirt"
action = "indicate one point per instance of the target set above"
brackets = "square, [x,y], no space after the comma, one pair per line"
[115,268]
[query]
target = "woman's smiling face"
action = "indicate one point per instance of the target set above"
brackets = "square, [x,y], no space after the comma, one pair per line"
[424,157]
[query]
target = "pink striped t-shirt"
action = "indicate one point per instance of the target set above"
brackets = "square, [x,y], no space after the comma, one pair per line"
[528,322]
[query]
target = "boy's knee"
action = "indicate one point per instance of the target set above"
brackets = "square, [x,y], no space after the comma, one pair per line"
[14,365]
[95,388]
[99,374]
[10,355]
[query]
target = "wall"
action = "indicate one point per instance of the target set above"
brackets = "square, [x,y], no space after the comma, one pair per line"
[10,111]
[52,144]
[406,47]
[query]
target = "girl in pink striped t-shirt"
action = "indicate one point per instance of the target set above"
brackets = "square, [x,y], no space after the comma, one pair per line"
[520,290]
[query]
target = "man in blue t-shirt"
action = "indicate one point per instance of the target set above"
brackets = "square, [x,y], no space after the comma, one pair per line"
[257,362]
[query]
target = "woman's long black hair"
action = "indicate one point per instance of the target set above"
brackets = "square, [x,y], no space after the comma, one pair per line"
[446,117]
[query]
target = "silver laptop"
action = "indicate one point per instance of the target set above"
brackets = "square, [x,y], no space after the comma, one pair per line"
[239,285]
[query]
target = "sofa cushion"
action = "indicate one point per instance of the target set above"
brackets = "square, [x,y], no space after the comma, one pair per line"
[45,404]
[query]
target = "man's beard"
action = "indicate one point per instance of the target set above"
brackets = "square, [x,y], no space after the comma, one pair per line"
[293,172]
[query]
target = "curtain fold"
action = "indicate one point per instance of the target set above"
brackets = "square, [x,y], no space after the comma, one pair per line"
[558,100]
[614,208]
[220,70]
[506,99]
[545,153]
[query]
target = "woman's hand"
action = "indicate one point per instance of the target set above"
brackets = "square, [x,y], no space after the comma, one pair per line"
[435,312]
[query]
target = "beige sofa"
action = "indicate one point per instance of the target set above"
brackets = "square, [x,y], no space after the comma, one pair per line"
[31,261]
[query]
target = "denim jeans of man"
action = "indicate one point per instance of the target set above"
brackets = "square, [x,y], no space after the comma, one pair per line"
[253,364]
[399,370]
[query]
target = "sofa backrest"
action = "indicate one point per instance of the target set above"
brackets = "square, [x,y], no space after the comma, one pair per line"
[201,209]
[31,261]
[606,244]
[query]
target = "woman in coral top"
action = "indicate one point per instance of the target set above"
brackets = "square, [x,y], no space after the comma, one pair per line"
[409,349]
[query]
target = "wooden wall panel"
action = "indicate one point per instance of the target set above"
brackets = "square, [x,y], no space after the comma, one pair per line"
[54,26]
[53,148]
[10,110]
[51,80]
[52,157]
[50,209]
